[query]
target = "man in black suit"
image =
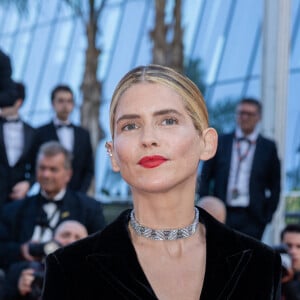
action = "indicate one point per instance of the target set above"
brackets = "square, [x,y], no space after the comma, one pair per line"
[30,222]
[17,151]
[74,138]
[8,91]
[244,173]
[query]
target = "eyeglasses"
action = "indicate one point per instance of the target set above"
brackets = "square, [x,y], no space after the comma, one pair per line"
[63,100]
[248,114]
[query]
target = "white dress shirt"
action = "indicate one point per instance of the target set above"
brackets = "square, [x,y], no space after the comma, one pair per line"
[42,234]
[240,169]
[65,133]
[14,140]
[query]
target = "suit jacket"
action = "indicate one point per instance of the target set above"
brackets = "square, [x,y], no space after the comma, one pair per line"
[291,288]
[105,266]
[264,176]
[20,217]
[8,92]
[83,161]
[24,168]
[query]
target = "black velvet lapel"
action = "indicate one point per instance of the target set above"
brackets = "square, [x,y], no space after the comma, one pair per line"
[222,275]
[224,265]
[116,262]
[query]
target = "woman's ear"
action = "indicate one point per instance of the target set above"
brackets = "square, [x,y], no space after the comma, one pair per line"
[210,143]
[109,150]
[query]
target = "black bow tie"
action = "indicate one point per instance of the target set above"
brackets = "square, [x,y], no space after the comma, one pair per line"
[58,126]
[3,120]
[45,200]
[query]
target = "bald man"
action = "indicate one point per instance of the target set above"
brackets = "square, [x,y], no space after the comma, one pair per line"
[69,231]
[20,278]
[214,206]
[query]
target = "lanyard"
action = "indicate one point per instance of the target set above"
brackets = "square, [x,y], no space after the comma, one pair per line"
[241,156]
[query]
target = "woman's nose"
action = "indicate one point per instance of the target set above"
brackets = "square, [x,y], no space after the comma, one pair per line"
[149,136]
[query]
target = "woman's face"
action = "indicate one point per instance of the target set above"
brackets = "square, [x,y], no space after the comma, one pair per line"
[156,145]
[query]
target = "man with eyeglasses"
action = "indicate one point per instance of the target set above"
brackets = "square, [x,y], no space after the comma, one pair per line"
[244,173]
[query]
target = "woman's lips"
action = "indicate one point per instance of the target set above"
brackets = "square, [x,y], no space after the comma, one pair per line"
[152,161]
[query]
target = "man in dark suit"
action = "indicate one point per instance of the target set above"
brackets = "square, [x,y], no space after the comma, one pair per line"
[17,151]
[30,222]
[7,88]
[74,138]
[244,173]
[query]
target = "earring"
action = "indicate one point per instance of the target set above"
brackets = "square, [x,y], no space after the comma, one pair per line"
[108,150]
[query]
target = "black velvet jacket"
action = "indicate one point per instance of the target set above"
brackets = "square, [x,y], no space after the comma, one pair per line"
[105,266]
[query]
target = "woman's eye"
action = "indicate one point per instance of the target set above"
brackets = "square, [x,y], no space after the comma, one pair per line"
[130,126]
[169,121]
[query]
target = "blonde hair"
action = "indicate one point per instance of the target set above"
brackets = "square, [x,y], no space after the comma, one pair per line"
[157,74]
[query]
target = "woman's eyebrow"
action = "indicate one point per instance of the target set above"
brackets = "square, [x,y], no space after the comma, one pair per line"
[128,117]
[166,112]
[156,113]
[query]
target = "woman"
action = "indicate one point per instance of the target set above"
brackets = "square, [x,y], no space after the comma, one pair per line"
[165,248]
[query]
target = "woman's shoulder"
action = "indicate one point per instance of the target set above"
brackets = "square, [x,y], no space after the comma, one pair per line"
[228,240]
[108,240]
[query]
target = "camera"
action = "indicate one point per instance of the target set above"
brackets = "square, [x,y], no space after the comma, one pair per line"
[37,285]
[43,249]
[286,262]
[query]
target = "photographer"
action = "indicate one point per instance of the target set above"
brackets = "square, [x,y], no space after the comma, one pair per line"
[290,237]
[24,280]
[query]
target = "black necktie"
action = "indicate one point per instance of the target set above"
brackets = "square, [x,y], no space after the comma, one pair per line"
[243,139]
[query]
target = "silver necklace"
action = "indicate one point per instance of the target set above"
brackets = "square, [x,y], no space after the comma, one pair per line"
[164,234]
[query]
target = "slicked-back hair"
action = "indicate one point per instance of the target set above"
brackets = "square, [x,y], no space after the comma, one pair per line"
[53,148]
[61,88]
[156,74]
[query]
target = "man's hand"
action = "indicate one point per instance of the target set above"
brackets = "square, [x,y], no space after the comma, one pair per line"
[25,252]
[25,281]
[20,190]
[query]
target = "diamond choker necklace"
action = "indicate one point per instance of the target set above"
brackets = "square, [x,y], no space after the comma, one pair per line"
[164,234]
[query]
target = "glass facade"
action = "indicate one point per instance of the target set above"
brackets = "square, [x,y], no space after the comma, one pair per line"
[47,47]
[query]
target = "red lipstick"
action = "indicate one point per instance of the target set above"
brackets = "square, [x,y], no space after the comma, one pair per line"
[152,161]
